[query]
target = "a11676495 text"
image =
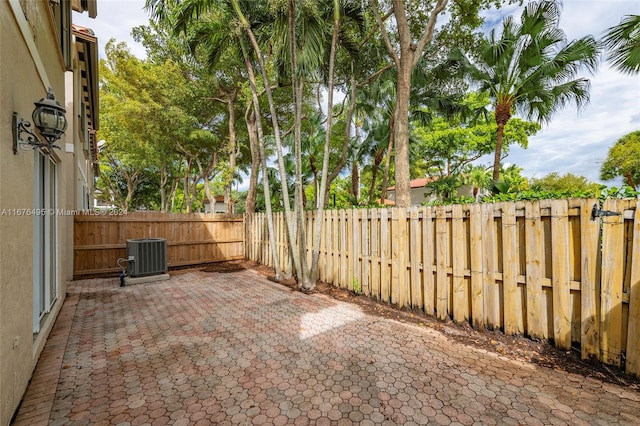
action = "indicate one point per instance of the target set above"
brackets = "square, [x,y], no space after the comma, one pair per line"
[60,212]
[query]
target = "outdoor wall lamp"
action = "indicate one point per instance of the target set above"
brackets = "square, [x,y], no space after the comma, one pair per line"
[48,117]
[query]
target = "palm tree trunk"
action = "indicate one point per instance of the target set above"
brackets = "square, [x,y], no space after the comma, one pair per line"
[291,233]
[304,277]
[355,182]
[231,107]
[327,145]
[250,202]
[345,148]
[498,152]
[263,162]
[374,175]
[503,114]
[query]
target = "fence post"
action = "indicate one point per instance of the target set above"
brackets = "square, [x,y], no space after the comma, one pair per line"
[428,248]
[633,334]
[400,234]
[560,273]
[509,268]
[458,259]
[491,294]
[385,281]
[590,284]
[414,255]
[342,224]
[477,265]
[366,250]
[612,283]
[442,282]
[375,254]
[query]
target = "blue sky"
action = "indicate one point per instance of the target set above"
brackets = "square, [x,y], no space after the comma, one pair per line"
[573,142]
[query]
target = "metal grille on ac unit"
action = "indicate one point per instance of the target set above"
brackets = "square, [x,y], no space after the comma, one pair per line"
[147,256]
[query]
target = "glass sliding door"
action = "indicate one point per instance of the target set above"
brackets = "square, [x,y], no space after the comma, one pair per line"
[45,277]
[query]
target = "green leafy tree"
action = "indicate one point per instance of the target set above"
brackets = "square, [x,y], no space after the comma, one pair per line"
[135,110]
[230,19]
[623,160]
[212,69]
[444,150]
[567,183]
[406,38]
[531,69]
[623,42]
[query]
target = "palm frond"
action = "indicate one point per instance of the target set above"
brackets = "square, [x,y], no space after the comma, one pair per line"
[623,42]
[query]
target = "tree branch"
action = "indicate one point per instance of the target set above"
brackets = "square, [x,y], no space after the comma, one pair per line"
[383,30]
[374,75]
[427,36]
[373,30]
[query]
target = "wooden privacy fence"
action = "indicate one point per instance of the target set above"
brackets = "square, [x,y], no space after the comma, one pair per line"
[100,240]
[542,268]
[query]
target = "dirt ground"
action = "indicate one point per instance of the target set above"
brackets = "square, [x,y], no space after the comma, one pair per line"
[516,347]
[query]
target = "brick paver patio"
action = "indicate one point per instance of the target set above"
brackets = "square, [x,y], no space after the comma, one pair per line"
[215,348]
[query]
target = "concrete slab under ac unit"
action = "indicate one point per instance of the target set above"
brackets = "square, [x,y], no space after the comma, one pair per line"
[145,279]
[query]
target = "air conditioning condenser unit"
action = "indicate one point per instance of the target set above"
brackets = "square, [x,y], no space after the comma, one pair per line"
[147,256]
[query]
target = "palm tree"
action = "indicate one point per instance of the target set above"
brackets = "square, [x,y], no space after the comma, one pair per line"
[478,177]
[214,35]
[530,68]
[623,42]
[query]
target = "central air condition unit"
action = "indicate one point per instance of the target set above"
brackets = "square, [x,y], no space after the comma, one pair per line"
[147,256]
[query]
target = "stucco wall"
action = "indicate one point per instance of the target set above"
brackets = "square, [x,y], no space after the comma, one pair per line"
[24,77]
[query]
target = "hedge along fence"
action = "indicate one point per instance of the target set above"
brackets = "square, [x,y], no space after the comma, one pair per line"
[101,239]
[544,269]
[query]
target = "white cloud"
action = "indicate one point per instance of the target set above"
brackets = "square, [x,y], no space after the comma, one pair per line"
[577,141]
[116,19]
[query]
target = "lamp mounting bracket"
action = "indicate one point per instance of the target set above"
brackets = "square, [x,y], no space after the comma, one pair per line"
[20,127]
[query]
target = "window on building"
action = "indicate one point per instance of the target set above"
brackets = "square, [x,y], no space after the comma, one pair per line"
[62,18]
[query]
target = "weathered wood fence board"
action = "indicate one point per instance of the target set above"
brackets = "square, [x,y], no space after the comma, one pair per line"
[100,240]
[539,268]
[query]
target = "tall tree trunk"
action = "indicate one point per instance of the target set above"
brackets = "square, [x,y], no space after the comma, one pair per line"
[231,106]
[387,161]
[305,280]
[347,137]
[377,160]
[406,59]
[250,202]
[503,114]
[263,162]
[498,153]
[355,182]
[403,91]
[164,180]
[131,187]
[327,149]
[174,189]
[291,232]
[186,192]
[204,175]
[628,176]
